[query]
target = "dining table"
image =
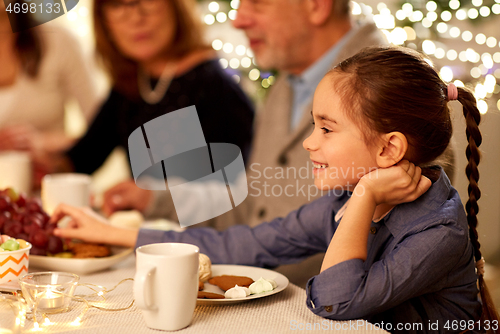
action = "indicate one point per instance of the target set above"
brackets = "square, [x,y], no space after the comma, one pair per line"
[283,312]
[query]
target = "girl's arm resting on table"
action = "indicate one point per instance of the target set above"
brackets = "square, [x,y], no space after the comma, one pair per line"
[282,241]
[349,291]
[351,237]
[384,187]
[347,251]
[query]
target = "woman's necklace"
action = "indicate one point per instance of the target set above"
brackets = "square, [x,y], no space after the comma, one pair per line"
[153,96]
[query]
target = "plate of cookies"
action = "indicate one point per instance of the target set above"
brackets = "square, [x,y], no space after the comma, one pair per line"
[228,284]
[82,258]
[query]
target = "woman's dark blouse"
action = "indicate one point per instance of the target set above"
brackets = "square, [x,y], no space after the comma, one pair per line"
[226,115]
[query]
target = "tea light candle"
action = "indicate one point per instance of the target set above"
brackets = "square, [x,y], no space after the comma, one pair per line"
[50,300]
[50,292]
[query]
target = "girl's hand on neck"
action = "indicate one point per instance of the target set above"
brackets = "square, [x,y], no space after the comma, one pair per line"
[394,185]
[375,194]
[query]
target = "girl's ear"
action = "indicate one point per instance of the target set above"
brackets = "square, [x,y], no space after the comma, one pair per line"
[392,149]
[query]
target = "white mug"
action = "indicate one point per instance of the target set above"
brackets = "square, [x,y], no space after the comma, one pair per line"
[16,171]
[166,284]
[69,188]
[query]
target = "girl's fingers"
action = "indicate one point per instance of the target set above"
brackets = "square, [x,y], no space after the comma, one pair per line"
[417,174]
[405,164]
[423,185]
[65,210]
[411,170]
[72,224]
[67,233]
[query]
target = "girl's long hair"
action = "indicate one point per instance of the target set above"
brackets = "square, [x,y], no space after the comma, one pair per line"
[395,89]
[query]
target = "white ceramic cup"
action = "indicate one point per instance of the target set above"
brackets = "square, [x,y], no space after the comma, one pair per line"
[166,284]
[69,188]
[16,171]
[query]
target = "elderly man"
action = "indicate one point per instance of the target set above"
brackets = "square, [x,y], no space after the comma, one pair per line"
[302,39]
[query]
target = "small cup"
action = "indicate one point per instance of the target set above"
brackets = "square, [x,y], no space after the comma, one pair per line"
[69,188]
[16,171]
[14,264]
[50,292]
[166,284]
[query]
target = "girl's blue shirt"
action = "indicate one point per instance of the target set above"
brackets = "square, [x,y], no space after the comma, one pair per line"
[420,266]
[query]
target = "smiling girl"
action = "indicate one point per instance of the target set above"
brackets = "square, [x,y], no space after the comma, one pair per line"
[399,246]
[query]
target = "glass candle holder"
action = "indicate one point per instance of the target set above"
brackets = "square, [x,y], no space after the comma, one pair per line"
[49,292]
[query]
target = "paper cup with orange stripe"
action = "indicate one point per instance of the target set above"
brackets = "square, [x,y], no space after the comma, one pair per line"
[14,264]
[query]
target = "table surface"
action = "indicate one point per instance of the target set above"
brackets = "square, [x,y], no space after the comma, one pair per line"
[284,312]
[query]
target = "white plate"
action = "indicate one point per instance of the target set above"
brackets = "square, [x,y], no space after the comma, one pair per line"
[80,266]
[253,272]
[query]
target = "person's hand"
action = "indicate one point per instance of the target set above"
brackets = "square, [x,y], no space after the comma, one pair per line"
[394,185]
[19,137]
[126,196]
[88,226]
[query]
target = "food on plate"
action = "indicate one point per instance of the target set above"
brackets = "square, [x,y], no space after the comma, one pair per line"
[23,218]
[131,219]
[237,292]
[262,285]
[209,295]
[204,267]
[87,250]
[226,282]
[235,287]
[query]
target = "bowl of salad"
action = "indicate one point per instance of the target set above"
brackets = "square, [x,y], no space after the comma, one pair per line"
[14,258]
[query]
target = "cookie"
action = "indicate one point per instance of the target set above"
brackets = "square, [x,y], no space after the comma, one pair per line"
[226,282]
[204,268]
[209,295]
[201,285]
[85,250]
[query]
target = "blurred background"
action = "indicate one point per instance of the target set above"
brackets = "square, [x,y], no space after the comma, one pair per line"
[461,39]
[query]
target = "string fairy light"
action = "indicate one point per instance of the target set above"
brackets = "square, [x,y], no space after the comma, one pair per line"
[415,25]
[19,307]
[42,320]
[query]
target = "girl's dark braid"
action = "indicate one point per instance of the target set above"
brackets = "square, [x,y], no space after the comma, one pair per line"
[474,138]
[473,118]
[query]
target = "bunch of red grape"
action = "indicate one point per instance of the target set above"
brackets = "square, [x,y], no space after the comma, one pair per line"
[23,218]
